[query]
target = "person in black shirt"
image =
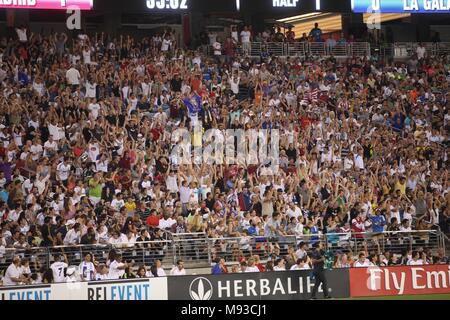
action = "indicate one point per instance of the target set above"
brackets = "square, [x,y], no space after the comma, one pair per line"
[318,262]
[89,237]
[175,83]
[209,201]
[47,232]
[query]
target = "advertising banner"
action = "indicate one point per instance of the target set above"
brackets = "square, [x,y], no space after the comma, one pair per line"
[392,281]
[133,289]
[47,4]
[289,285]
[138,289]
[401,6]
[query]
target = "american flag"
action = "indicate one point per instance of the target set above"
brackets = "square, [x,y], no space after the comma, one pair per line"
[313,95]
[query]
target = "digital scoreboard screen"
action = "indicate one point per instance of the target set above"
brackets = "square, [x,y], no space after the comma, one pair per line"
[47,4]
[401,6]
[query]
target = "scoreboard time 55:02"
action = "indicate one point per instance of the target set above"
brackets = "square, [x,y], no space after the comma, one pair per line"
[168,4]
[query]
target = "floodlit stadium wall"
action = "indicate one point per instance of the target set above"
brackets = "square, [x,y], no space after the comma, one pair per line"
[290,285]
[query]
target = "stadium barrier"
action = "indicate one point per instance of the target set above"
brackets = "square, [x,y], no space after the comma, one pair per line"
[407,49]
[199,251]
[288,285]
[302,49]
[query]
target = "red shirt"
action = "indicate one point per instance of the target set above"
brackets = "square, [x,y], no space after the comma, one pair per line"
[77,152]
[195,84]
[153,221]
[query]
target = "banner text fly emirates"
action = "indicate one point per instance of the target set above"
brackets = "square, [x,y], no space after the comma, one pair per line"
[392,281]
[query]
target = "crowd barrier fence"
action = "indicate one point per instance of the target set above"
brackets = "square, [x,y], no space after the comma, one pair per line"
[302,49]
[278,285]
[199,251]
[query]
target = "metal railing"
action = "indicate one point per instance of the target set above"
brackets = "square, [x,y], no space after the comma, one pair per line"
[303,49]
[407,49]
[199,251]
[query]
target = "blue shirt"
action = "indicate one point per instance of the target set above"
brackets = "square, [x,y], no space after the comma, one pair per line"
[4,195]
[378,222]
[216,269]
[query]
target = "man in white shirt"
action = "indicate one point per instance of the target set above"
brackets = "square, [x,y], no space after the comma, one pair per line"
[91,89]
[415,260]
[359,161]
[217,46]
[301,252]
[251,266]
[293,211]
[36,150]
[22,34]
[117,268]
[117,203]
[362,262]
[13,275]
[159,269]
[73,236]
[63,170]
[245,39]
[87,268]
[178,270]
[166,222]
[166,43]
[301,265]
[59,269]
[94,109]
[50,147]
[73,76]
[421,51]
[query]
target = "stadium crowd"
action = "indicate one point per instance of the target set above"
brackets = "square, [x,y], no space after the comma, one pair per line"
[85,143]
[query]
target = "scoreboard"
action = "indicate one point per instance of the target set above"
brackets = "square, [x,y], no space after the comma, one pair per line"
[401,6]
[47,4]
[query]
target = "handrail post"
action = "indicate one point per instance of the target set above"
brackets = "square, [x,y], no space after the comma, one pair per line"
[208,242]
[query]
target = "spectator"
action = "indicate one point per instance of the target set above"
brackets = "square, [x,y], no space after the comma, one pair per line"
[316,33]
[178,270]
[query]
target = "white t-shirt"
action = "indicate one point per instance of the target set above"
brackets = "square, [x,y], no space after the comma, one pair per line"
[63,171]
[165,224]
[217,48]
[53,146]
[73,76]
[114,272]
[94,109]
[297,267]
[58,271]
[90,90]
[177,272]
[420,52]
[22,34]
[161,272]
[277,268]
[117,204]
[87,270]
[359,264]
[11,272]
[419,262]
[245,36]
[87,56]
[300,254]
[36,151]
[252,269]
[165,45]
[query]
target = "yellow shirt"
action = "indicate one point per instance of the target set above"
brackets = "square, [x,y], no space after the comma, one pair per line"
[131,206]
[401,187]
